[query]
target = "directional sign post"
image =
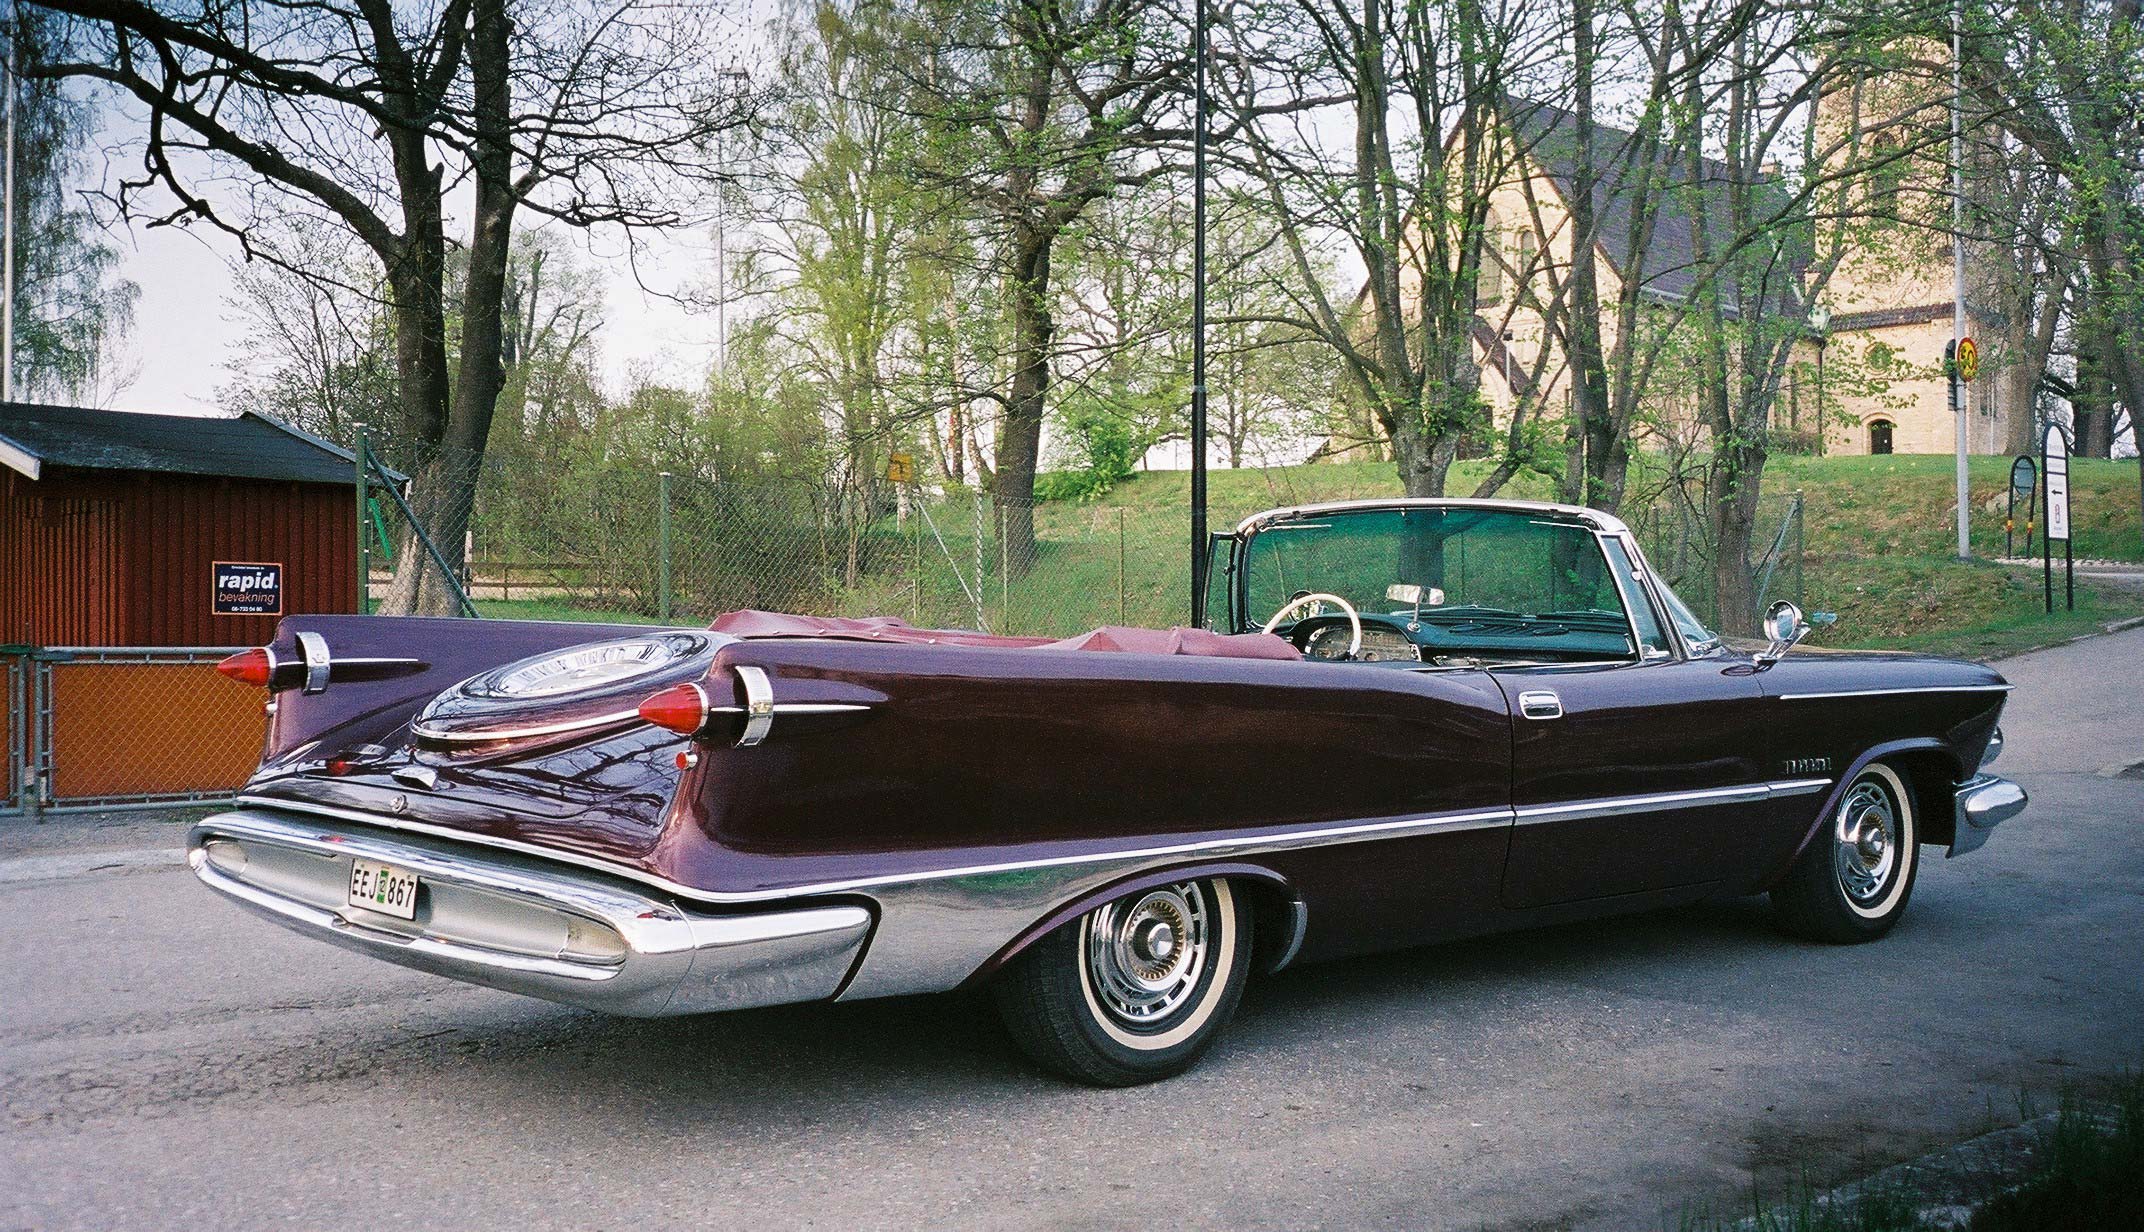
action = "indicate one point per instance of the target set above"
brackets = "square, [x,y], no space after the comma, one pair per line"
[2055,481]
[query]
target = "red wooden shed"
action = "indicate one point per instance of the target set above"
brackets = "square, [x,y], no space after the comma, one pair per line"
[126,529]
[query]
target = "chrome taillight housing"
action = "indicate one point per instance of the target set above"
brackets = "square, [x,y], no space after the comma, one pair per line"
[558,693]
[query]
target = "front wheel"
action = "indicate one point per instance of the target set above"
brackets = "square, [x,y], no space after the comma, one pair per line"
[1852,882]
[1136,989]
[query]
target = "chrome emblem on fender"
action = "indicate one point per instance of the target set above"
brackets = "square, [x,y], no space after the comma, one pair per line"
[1808,765]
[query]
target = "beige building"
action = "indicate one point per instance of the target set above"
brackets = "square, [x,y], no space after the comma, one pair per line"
[1875,339]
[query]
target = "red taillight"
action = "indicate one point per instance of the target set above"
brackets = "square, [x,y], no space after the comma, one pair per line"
[682,708]
[249,667]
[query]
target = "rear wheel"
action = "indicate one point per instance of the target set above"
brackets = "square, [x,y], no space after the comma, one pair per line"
[1853,881]
[1136,989]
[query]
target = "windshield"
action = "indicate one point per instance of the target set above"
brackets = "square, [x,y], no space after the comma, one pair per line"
[1489,579]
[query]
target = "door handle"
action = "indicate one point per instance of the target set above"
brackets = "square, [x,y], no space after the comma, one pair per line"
[1540,704]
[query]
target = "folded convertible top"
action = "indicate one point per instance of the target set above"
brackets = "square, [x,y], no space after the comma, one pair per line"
[1112,638]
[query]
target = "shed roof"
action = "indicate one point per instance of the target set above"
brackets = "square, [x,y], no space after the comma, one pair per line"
[244,446]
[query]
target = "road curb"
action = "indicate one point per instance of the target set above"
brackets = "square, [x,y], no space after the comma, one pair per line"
[1946,1188]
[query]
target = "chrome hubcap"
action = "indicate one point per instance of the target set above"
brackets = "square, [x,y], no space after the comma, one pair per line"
[1145,954]
[1867,847]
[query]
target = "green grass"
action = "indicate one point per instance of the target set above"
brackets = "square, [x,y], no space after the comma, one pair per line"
[1939,605]
[558,609]
[2094,1173]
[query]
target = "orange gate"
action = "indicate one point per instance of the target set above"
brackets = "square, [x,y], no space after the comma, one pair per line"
[122,726]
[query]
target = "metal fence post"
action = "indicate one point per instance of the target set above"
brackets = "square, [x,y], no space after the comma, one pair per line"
[17,779]
[980,621]
[662,539]
[37,786]
[364,526]
[1801,515]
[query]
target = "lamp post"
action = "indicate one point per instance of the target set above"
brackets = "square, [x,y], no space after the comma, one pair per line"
[1198,314]
[1820,322]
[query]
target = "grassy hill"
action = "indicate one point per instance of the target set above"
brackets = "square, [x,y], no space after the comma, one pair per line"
[1877,550]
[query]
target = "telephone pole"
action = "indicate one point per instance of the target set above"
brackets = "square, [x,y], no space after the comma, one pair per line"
[1198,315]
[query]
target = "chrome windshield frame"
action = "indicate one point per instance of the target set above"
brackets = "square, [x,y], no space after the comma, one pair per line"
[1600,526]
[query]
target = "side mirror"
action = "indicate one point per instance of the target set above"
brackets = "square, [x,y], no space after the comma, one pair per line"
[1784,626]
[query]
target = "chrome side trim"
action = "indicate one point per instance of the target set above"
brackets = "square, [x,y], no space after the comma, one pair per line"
[781,708]
[1284,840]
[1796,787]
[1625,806]
[525,733]
[1926,688]
[937,926]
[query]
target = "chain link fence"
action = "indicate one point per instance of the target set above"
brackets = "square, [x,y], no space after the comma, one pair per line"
[91,727]
[616,542]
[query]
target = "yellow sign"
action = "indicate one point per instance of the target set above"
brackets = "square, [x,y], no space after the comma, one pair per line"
[1968,359]
[901,468]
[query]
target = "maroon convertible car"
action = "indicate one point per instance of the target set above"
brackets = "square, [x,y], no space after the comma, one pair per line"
[1414,720]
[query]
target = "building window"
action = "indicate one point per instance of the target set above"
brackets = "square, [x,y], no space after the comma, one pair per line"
[1879,436]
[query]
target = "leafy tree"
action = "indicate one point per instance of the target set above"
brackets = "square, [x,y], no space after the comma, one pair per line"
[1033,112]
[71,310]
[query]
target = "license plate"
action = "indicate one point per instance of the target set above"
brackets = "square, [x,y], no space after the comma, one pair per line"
[383,888]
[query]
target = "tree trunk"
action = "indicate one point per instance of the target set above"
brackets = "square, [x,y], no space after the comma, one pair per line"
[452,435]
[1733,505]
[1020,439]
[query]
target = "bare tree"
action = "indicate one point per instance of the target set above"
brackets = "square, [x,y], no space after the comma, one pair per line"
[391,122]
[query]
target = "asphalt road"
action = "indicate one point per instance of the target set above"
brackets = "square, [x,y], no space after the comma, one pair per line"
[169,1062]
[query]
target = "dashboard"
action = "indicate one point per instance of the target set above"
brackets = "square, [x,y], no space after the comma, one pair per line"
[1380,643]
[1467,641]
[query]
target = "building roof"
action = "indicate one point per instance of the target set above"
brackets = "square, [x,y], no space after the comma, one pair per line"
[244,446]
[1667,261]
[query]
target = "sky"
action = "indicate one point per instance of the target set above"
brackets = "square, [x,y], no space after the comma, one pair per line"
[186,337]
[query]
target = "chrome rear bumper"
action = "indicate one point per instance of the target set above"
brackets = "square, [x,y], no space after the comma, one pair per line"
[1984,802]
[522,925]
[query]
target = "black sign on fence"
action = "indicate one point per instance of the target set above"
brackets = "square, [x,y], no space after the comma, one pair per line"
[241,588]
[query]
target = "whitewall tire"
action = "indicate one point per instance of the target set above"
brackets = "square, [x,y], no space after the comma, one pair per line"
[1134,990]
[1853,881]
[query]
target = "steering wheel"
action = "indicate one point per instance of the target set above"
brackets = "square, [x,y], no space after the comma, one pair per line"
[1354,618]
